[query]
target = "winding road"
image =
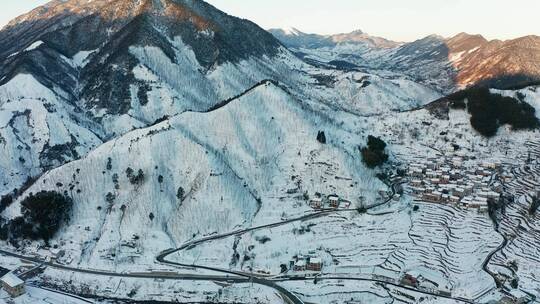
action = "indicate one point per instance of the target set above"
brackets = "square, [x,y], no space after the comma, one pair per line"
[231,276]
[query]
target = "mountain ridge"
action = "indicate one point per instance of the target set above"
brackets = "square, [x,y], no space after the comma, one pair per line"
[296,38]
[445,63]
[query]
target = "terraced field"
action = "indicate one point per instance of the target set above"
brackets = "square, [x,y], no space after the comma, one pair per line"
[443,244]
[518,262]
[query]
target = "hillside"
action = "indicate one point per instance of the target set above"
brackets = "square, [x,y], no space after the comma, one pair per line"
[69,91]
[243,166]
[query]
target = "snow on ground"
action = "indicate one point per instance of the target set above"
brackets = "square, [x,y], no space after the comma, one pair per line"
[519,259]
[346,291]
[254,161]
[230,161]
[432,242]
[34,46]
[530,95]
[38,131]
[173,291]
[36,295]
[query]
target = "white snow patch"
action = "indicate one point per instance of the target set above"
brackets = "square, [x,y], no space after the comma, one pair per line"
[34,46]
[81,58]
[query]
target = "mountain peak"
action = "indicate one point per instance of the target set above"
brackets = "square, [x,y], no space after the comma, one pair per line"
[358,32]
[468,37]
[292,31]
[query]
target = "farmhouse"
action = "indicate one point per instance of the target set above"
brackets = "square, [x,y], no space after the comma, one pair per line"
[416,183]
[316,203]
[433,197]
[314,264]
[13,285]
[333,201]
[300,265]
[409,280]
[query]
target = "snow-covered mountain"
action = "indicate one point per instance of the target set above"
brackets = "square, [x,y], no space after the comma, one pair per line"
[168,121]
[69,90]
[295,38]
[144,61]
[247,161]
[465,60]
[445,64]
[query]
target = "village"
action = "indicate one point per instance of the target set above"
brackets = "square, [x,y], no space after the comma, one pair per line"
[448,180]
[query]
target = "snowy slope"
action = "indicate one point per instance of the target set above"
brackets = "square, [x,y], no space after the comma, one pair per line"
[239,161]
[38,131]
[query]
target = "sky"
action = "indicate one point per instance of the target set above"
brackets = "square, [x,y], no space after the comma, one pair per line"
[400,20]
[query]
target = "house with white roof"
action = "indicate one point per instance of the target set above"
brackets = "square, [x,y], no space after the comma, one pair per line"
[314,264]
[300,265]
[13,285]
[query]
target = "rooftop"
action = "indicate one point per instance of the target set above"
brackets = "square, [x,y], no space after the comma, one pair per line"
[11,280]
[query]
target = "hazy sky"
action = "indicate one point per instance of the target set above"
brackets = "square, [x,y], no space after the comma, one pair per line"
[402,20]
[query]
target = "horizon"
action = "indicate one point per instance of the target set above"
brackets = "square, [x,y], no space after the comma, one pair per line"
[342,17]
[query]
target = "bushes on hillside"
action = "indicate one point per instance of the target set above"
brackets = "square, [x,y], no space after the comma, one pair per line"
[42,216]
[5,201]
[490,111]
[135,179]
[321,137]
[374,155]
[534,205]
[180,193]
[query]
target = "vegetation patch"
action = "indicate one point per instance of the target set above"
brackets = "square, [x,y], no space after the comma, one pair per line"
[42,216]
[490,111]
[374,155]
[321,137]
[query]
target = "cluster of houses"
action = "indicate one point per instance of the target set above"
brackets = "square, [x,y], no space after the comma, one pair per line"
[306,263]
[331,201]
[447,180]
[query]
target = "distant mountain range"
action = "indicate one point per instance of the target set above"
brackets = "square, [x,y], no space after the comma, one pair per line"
[446,63]
[295,38]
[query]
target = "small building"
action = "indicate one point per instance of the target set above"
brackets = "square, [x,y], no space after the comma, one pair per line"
[434,197]
[483,209]
[314,264]
[409,280]
[333,200]
[346,204]
[459,192]
[316,203]
[416,172]
[300,265]
[489,165]
[416,183]
[416,190]
[13,285]
[454,199]
[445,198]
